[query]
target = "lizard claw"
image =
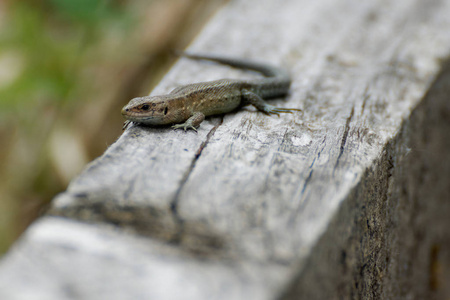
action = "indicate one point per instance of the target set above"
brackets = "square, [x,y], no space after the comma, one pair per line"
[184,126]
[277,110]
[126,124]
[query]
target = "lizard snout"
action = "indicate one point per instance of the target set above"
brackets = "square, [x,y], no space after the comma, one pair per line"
[125,110]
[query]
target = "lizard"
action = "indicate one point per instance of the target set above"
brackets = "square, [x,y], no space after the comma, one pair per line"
[187,106]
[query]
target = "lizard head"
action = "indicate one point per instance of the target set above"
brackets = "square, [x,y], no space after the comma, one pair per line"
[149,110]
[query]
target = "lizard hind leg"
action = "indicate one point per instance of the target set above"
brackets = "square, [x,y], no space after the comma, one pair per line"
[192,123]
[261,105]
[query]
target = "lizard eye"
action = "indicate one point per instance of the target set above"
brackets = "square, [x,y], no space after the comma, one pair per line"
[165,110]
[145,107]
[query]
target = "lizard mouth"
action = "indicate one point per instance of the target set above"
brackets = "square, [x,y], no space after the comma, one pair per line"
[140,118]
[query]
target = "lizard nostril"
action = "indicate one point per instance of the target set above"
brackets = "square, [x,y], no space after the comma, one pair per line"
[125,111]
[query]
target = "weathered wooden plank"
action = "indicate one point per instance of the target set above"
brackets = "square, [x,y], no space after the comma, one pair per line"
[390,237]
[62,259]
[311,205]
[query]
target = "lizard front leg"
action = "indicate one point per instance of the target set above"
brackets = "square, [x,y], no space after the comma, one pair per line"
[193,122]
[261,105]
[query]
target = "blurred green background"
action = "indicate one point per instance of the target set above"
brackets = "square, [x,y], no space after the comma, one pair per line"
[66,69]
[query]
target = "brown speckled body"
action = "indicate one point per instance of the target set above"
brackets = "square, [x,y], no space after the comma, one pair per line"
[191,103]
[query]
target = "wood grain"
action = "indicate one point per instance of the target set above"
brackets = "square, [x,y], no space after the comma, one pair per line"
[313,205]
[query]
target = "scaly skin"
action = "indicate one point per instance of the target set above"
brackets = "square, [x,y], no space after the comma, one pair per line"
[190,104]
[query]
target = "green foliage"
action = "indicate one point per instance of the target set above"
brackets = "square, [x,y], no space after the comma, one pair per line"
[47,41]
[83,11]
[44,52]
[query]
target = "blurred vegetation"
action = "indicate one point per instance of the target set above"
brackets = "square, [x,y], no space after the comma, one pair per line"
[66,69]
[44,41]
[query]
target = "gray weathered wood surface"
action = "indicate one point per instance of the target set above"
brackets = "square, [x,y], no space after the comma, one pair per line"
[348,199]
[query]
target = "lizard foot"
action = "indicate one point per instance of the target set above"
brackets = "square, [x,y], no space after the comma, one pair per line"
[184,126]
[192,123]
[269,109]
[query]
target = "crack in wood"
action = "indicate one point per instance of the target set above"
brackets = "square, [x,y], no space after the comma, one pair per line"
[344,137]
[366,97]
[300,194]
[176,239]
[306,182]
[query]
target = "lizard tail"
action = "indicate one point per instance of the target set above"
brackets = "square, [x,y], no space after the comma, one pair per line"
[268,71]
